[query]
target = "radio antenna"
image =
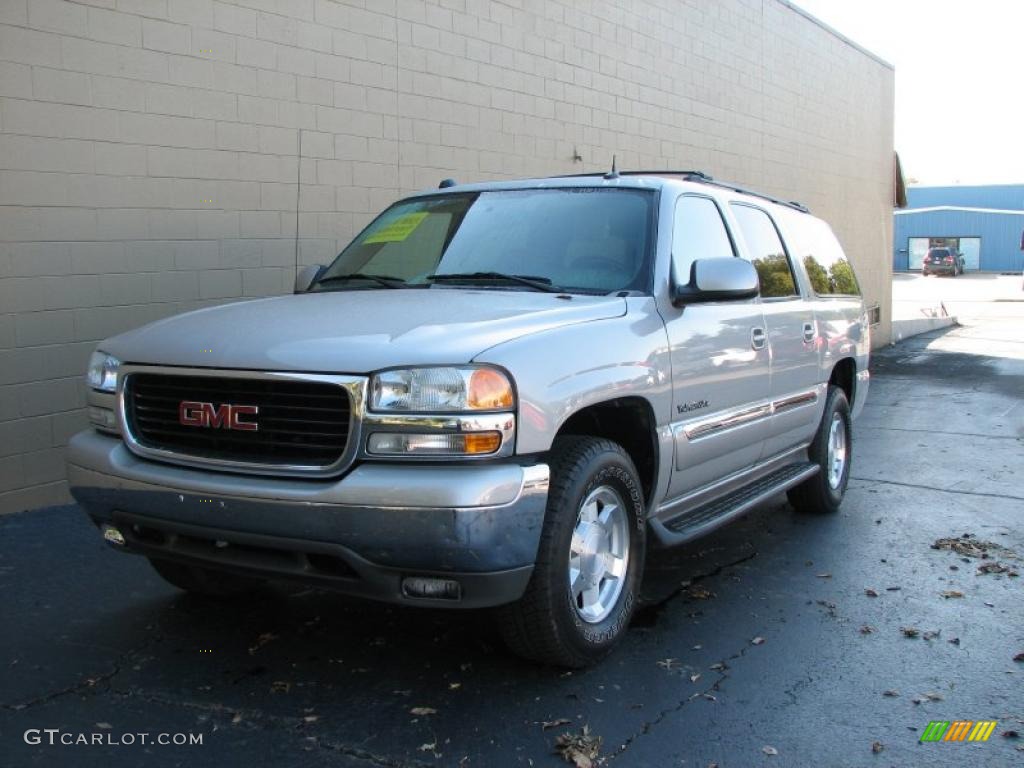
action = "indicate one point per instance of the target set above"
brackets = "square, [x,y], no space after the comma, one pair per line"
[298,193]
[614,172]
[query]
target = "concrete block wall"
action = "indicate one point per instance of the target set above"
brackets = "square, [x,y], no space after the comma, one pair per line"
[150,149]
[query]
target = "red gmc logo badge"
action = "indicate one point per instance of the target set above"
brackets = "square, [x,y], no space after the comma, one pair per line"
[225,416]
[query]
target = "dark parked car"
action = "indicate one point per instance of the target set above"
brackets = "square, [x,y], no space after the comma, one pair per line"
[943,261]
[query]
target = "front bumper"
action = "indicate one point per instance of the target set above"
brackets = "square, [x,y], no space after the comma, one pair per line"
[363,534]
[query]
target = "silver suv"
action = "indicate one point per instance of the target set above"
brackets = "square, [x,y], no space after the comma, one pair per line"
[497,395]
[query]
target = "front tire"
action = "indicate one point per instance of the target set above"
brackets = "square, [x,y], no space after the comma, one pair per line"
[831,451]
[586,578]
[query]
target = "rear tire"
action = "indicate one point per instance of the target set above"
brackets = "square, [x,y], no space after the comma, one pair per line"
[831,451]
[202,581]
[586,578]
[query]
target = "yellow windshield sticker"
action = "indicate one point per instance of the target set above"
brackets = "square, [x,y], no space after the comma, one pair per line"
[397,230]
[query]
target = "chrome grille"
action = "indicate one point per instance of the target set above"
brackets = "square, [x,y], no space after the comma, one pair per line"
[302,423]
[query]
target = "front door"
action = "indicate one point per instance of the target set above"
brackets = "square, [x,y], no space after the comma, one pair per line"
[719,353]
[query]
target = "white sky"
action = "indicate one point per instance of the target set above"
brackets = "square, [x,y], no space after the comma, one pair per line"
[959,81]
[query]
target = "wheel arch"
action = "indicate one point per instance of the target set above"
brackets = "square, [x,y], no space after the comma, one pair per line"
[628,421]
[844,376]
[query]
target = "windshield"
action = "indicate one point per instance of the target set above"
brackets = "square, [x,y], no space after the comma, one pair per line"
[578,240]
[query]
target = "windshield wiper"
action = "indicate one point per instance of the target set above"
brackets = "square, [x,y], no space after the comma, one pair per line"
[533,281]
[386,280]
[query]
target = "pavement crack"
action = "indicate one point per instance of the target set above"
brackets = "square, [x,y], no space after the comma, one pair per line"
[648,725]
[91,684]
[938,490]
[249,718]
[953,434]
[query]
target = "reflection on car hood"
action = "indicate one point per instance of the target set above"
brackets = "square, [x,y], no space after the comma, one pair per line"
[354,331]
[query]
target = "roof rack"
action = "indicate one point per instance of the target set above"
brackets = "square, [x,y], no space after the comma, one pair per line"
[702,178]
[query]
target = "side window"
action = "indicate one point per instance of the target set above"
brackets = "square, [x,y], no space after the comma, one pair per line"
[699,233]
[827,266]
[767,253]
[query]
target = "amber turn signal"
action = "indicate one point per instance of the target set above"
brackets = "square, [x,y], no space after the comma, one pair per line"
[482,442]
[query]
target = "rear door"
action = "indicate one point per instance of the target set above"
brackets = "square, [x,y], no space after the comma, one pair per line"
[719,356]
[792,332]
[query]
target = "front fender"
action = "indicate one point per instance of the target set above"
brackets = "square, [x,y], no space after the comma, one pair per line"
[563,370]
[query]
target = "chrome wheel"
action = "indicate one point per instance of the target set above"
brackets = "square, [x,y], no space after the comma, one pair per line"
[598,554]
[836,451]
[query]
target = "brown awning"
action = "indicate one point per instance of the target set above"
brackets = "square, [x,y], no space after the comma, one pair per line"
[899,187]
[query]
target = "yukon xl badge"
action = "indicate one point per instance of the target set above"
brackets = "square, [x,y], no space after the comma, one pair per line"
[696,405]
[192,413]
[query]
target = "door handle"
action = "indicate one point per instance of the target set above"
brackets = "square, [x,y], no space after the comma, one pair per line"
[757,338]
[810,332]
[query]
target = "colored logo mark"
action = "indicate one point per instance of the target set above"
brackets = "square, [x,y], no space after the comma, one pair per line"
[958,730]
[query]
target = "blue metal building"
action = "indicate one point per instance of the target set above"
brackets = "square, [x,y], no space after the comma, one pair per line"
[986,223]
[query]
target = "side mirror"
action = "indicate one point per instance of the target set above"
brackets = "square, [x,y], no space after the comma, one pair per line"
[305,277]
[718,280]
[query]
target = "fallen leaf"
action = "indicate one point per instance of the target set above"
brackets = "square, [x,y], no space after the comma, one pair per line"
[699,593]
[966,545]
[932,634]
[910,631]
[548,724]
[893,589]
[877,747]
[454,686]
[891,693]
[952,593]
[581,749]
[104,726]
[757,641]
[311,718]
[719,666]
[933,696]
[954,640]
[709,697]
[769,750]
[870,593]
[695,677]
[669,664]
[1019,656]
[696,647]
[280,686]
[427,747]
[422,711]
[1011,735]
[823,576]
[262,640]
[237,718]
[867,629]
[993,567]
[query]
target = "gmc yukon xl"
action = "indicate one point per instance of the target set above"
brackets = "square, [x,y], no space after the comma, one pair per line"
[498,395]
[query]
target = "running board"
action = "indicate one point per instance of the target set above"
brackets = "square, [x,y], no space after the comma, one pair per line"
[694,523]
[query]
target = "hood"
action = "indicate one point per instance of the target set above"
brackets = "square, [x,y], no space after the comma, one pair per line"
[354,331]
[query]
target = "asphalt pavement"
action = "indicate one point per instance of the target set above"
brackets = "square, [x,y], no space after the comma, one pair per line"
[781,640]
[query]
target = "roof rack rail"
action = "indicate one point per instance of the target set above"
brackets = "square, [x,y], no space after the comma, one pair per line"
[702,178]
[696,175]
[745,191]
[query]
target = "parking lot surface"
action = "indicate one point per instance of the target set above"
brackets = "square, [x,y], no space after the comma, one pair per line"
[782,640]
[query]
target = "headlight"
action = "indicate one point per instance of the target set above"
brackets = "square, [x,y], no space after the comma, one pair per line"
[441,390]
[102,374]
